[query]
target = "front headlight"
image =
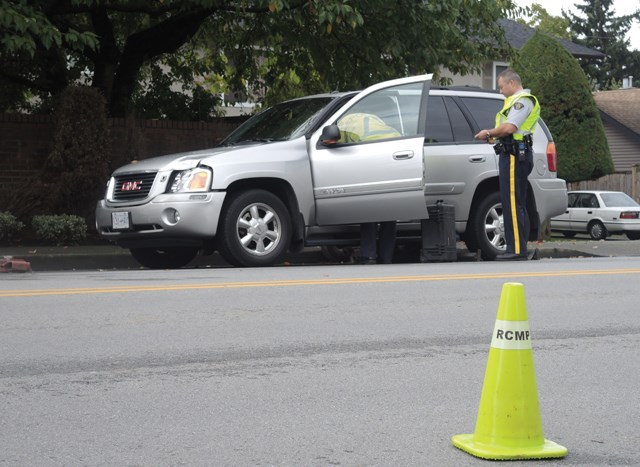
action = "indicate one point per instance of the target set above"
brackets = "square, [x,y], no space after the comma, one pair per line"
[186,181]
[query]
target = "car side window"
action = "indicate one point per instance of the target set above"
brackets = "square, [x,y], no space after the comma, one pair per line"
[483,110]
[385,114]
[438,126]
[461,129]
[587,200]
[572,200]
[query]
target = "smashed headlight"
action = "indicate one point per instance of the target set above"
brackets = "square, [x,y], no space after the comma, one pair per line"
[190,180]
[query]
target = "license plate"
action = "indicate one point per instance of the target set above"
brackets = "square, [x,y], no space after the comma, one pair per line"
[120,220]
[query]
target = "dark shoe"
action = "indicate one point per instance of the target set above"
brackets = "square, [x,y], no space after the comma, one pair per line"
[365,260]
[511,257]
[533,255]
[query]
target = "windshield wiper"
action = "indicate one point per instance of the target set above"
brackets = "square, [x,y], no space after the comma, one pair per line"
[250,141]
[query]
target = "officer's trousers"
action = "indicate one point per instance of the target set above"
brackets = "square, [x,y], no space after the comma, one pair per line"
[382,250]
[513,191]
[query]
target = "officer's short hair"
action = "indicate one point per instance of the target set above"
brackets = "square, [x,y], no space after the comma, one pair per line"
[509,75]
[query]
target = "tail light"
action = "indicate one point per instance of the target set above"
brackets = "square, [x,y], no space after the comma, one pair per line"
[629,215]
[552,159]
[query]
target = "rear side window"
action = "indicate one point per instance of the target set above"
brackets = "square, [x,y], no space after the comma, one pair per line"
[446,122]
[459,124]
[482,110]
[438,126]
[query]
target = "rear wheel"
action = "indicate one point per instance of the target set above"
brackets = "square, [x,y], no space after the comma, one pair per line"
[633,235]
[485,228]
[255,229]
[164,258]
[597,230]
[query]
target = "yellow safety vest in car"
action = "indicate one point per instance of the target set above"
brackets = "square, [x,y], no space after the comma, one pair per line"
[361,126]
[529,124]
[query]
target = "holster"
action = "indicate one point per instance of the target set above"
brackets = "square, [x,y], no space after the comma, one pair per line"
[509,146]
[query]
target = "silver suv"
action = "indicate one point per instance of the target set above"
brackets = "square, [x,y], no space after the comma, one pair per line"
[289,178]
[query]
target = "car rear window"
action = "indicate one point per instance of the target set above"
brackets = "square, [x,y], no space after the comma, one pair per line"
[617,200]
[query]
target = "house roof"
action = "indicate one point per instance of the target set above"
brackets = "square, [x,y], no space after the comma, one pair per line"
[517,35]
[622,105]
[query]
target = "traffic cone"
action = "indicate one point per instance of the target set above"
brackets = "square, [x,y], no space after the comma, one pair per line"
[509,424]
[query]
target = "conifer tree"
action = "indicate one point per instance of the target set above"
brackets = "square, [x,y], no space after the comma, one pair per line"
[567,107]
[598,28]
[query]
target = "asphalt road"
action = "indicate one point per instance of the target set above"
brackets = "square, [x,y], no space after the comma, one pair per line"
[317,365]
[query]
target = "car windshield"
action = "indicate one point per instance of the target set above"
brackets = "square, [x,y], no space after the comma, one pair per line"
[282,122]
[618,200]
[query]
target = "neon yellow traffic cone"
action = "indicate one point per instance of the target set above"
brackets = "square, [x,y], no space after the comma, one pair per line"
[509,424]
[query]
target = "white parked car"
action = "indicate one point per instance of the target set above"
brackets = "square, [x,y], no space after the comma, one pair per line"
[600,214]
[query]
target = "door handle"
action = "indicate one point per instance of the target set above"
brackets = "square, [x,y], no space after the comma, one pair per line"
[477,159]
[402,155]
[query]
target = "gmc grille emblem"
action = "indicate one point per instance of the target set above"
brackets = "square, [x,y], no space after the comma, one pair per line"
[132,186]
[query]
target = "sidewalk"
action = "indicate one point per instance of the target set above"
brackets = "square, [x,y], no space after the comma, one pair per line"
[100,257]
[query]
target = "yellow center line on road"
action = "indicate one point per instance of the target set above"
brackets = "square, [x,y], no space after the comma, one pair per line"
[324,281]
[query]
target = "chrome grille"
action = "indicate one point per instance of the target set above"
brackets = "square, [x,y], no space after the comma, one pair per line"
[130,187]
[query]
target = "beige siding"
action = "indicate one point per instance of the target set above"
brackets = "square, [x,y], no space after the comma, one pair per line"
[625,152]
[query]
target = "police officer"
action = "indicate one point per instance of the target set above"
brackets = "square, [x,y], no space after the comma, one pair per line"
[512,136]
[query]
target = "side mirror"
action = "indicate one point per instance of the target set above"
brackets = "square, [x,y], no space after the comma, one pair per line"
[330,135]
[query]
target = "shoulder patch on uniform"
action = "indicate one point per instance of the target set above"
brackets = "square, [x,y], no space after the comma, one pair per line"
[518,105]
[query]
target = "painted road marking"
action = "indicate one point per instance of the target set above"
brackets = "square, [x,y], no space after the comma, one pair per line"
[309,282]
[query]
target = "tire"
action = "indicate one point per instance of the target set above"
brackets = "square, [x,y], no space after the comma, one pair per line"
[255,229]
[485,228]
[569,234]
[597,230]
[633,235]
[164,258]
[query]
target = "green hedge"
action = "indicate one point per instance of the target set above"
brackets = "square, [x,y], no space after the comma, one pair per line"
[567,107]
[9,226]
[63,229]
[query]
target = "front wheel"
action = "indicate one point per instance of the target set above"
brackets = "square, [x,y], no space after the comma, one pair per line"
[255,229]
[164,258]
[633,235]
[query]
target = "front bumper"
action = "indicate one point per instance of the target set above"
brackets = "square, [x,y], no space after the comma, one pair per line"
[155,220]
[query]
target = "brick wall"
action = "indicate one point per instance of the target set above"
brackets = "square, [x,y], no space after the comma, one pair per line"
[26,140]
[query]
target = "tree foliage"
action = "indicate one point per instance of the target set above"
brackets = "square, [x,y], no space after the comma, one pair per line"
[597,28]
[567,107]
[540,19]
[142,53]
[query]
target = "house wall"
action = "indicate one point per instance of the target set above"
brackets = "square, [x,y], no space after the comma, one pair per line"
[27,141]
[623,144]
[458,80]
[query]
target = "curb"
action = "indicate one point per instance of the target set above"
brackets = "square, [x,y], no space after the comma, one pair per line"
[101,258]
